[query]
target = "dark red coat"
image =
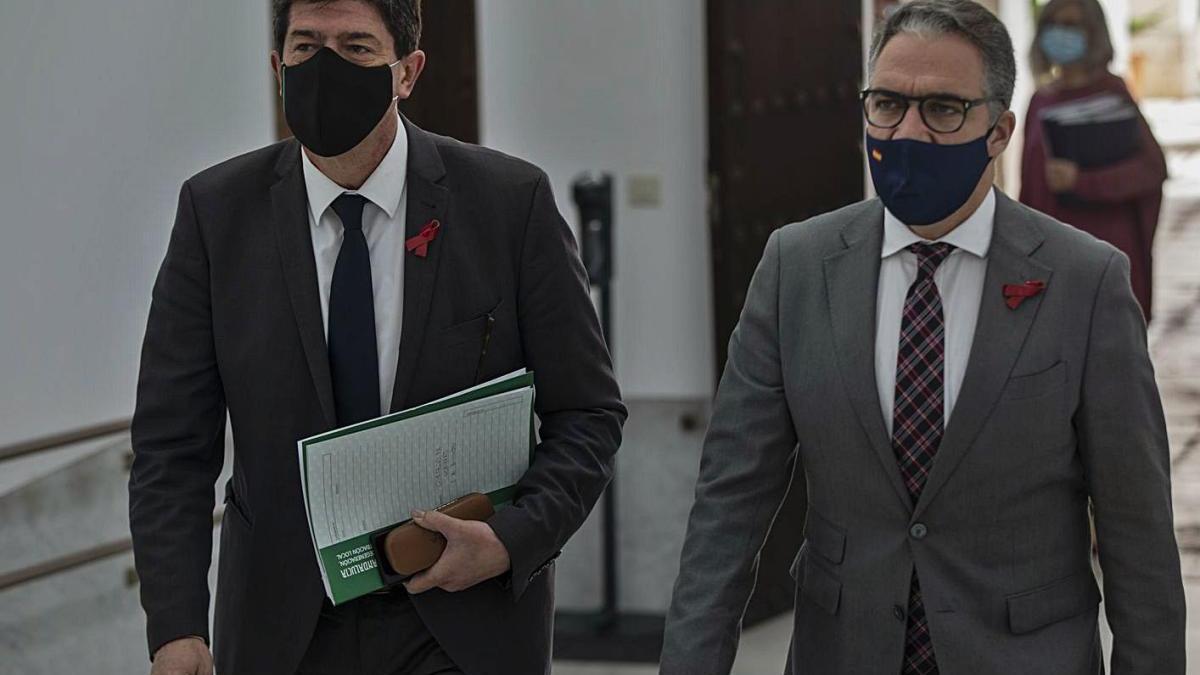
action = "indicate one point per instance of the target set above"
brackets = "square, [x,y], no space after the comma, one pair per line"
[1122,200]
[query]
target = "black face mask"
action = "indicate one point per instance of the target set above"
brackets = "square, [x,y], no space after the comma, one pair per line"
[332,104]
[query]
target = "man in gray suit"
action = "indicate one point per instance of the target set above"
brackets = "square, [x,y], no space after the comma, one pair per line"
[950,377]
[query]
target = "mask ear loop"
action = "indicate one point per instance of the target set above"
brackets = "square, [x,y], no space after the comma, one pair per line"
[393,65]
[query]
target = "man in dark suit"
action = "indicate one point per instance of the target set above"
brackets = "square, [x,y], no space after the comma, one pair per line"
[364,266]
[949,377]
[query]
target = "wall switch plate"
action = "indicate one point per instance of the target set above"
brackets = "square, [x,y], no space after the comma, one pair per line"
[645,191]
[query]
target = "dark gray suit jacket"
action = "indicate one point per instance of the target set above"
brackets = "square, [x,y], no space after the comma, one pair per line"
[1058,405]
[236,326]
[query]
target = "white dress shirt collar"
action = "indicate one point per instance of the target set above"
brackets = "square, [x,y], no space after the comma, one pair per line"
[974,235]
[383,187]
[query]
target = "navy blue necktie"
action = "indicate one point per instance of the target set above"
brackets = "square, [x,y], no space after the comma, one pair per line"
[353,354]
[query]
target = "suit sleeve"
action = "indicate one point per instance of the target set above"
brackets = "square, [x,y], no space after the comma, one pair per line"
[1123,441]
[578,401]
[178,442]
[745,468]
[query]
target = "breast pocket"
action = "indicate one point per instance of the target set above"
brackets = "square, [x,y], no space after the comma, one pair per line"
[1037,384]
[1032,414]
[471,330]
[457,355]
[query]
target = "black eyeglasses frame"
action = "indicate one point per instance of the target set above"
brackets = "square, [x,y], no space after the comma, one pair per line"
[967,104]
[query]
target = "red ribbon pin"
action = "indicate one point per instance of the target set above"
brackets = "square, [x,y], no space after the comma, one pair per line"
[419,245]
[1015,294]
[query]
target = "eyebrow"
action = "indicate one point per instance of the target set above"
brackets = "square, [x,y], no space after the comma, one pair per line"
[366,37]
[344,37]
[948,94]
[300,33]
[932,94]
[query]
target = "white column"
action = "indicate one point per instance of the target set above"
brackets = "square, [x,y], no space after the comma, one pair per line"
[1189,14]
[1018,18]
[1189,30]
[618,86]
[1119,15]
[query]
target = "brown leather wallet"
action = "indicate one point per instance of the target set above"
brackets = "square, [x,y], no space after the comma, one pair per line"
[409,548]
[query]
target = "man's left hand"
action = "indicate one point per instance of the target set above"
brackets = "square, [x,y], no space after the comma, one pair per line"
[473,554]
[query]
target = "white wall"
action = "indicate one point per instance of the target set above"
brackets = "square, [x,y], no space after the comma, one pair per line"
[1018,18]
[618,86]
[1118,14]
[107,107]
[1189,28]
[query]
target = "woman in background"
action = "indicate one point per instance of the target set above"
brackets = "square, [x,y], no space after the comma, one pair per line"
[1117,202]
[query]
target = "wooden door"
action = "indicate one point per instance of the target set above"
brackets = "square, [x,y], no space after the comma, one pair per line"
[446,100]
[785,137]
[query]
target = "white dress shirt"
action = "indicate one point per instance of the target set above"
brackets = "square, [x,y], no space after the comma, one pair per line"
[959,281]
[383,225]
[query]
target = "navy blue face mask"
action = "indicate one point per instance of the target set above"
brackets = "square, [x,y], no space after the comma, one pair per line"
[923,183]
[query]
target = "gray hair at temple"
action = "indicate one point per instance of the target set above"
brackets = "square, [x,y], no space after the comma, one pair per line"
[967,19]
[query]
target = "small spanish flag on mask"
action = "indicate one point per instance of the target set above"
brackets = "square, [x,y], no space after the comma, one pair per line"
[877,155]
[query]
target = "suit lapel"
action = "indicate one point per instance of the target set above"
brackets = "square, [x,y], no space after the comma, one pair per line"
[852,281]
[428,200]
[999,336]
[288,203]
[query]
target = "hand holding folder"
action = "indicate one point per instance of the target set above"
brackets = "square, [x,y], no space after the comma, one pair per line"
[1088,133]
[1092,132]
[360,481]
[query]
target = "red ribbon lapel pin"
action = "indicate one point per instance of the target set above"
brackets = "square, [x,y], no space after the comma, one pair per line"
[1015,294]
[419,245]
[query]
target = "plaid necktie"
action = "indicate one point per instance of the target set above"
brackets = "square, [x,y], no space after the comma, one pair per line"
[919,420]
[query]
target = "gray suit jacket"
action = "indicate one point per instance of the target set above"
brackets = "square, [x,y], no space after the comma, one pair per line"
[1058,405]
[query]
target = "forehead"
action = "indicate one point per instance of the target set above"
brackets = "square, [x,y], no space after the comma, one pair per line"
[334,18]
[916,65]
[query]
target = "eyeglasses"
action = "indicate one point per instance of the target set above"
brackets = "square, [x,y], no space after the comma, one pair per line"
[942,114]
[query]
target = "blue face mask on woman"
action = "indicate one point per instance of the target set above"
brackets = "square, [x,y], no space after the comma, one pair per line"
[1063,45]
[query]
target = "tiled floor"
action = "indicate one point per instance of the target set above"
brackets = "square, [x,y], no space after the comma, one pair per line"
[1175,346]
[763,651]
[1175,336]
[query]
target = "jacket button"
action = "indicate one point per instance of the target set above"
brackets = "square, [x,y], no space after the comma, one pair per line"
[899,613]
[919,531]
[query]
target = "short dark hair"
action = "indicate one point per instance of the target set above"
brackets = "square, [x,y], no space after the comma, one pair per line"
[1100,47]
[969,20]
[402,17]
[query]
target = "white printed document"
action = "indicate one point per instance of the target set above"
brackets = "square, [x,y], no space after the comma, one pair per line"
[370,476]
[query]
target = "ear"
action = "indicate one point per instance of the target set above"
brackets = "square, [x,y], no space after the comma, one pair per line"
[1002,134]
[277,69]
[406,73]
